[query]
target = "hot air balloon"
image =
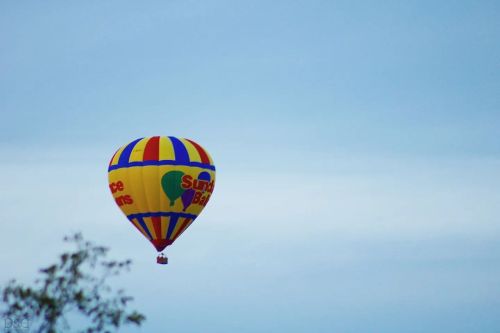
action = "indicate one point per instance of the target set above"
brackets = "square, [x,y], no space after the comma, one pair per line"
[161,184]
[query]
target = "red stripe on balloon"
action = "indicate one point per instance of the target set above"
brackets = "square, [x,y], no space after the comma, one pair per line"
[157,226]
[201,151]
[152,149]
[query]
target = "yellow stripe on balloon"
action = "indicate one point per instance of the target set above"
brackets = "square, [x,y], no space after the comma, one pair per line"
[194,156]
[149,224]
[138,151]
[167,225]
[166,149]
[117,156]
[164,228]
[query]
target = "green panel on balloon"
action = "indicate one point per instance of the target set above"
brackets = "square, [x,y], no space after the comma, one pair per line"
[171,184]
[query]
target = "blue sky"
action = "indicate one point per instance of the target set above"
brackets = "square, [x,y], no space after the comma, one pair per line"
[356,144]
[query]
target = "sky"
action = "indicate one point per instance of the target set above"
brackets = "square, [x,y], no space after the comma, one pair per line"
[356,144]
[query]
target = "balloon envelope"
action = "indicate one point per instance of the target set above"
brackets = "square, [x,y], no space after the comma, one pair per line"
[161,184]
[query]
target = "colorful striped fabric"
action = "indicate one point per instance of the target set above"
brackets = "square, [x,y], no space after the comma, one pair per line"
[161,229]
[161,151]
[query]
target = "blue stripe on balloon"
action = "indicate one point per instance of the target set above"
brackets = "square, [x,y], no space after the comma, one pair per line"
[181,153]
[164,162]
[125,155]
[140,216]
[144,226]
[173,222]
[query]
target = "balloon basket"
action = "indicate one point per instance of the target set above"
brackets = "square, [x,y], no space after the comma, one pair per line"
[161,259]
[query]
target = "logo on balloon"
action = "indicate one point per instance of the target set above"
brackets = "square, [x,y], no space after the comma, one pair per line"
[176,184]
